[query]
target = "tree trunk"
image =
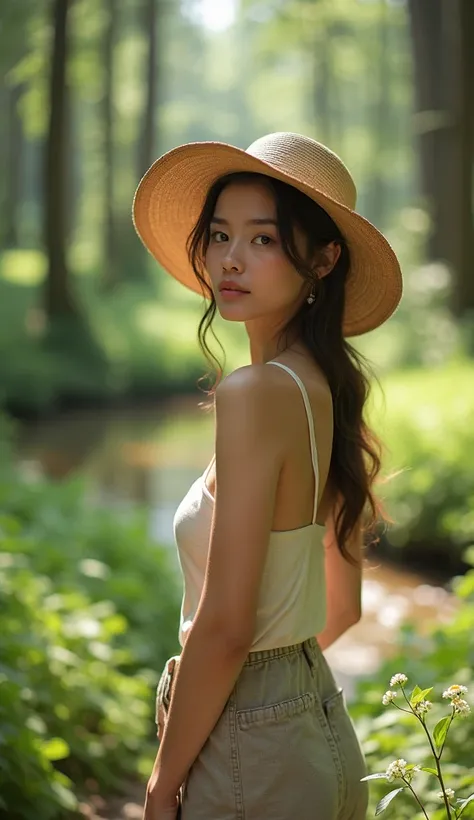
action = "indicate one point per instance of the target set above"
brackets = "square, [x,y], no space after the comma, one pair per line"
[13,170]
[442,33]
[463,149]
[381,111]
[322,89]
[58,300]
[148,139]
[109,277]
[138,261]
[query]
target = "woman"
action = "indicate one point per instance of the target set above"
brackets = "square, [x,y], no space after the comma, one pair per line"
[251,722]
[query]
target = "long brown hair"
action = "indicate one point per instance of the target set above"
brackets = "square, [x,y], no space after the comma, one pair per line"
[356,451]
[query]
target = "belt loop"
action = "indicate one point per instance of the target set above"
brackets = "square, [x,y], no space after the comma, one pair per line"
[308,655]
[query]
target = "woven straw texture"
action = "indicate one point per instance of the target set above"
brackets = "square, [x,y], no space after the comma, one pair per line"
[170,196]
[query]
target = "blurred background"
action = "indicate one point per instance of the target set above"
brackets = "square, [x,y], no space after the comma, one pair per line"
[101,432]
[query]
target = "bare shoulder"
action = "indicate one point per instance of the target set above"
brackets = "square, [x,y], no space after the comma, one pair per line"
[252,384]
[247,377]
[271,389]
[248,407]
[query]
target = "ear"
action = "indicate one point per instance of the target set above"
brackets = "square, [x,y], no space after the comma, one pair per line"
[328,258]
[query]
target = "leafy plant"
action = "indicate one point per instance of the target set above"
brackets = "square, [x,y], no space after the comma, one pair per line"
[89,608]
[419,706]
[443,654]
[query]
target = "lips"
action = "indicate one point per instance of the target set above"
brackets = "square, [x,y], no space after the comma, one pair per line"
[226,287]
[233,290]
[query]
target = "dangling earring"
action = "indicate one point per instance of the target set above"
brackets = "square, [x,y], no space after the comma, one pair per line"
[311,297]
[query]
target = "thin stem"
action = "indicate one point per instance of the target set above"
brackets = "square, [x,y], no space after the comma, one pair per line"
[436,757]
[416,797]
[400,709]
[438,767]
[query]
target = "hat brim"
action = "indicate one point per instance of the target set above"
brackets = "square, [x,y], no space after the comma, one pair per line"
[170,197]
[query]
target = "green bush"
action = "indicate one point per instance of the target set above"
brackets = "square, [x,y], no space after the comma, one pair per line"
[443,657]
[88,607]
[426,424]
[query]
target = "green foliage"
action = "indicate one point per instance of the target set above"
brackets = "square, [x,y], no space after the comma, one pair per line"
[89,607]
[444,657]
[139,341]
[128,344]
[426,425]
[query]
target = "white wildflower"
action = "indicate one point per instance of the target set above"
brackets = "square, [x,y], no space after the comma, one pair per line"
[411,772]
[389,697]
[422,707]
[396,769]
[449,794]
[461,707]
[455,691]
[398,680]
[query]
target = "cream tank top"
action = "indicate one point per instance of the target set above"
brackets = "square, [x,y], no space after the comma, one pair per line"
[292,599]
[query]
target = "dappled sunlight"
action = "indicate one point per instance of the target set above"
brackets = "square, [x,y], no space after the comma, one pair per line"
[158,321]
[23,267]
[390,598]
[100,358]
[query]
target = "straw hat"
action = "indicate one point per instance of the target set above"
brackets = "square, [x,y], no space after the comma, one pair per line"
[170,196]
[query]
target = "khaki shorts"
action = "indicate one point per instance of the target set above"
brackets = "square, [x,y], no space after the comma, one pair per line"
[284,747]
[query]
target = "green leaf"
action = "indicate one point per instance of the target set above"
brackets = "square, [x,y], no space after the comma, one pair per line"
[385,801]
[440,731]
[65,797]
[55,749]
[463,801]
[373,777]
[419,694]
[430,771]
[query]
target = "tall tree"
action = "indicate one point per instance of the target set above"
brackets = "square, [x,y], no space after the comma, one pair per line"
[381,111]
[109,256]
[147,137]
[58,298]
[14,148]
[147,144]
[442,32]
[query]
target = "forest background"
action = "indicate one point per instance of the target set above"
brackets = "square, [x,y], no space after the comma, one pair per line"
[91,92]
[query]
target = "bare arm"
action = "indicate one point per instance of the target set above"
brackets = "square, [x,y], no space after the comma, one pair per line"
[248,464]
[343,584]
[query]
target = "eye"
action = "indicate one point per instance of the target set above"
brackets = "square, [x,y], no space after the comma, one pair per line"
[265,240]
[219,236]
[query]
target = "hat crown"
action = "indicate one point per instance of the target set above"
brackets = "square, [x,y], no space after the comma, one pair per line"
[308,161]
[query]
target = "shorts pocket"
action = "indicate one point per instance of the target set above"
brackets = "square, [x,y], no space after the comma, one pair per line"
[348,755]
[334,708]
[275,712]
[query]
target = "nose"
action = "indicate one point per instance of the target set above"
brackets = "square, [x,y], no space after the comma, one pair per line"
[231,260]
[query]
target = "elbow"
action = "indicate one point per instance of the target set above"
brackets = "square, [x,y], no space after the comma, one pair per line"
[354,616]
[231,638]
[236,639]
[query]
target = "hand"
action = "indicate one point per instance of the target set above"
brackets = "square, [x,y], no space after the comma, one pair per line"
[164,693]
[157,808]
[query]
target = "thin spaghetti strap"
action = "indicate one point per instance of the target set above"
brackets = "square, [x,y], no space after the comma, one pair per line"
[312,437]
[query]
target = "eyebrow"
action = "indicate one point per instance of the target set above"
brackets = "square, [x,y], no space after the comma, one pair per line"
[264,221]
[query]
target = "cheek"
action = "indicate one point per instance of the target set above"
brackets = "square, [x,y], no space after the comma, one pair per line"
[282,276]
[213,261]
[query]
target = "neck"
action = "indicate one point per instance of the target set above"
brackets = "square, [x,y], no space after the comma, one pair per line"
[263,350]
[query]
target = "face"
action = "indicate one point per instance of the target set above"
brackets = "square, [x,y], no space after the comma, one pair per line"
[245,248]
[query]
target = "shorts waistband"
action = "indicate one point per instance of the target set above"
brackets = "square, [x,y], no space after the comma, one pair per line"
[310,647]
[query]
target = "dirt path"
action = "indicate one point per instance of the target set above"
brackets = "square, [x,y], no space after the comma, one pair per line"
[116,808]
